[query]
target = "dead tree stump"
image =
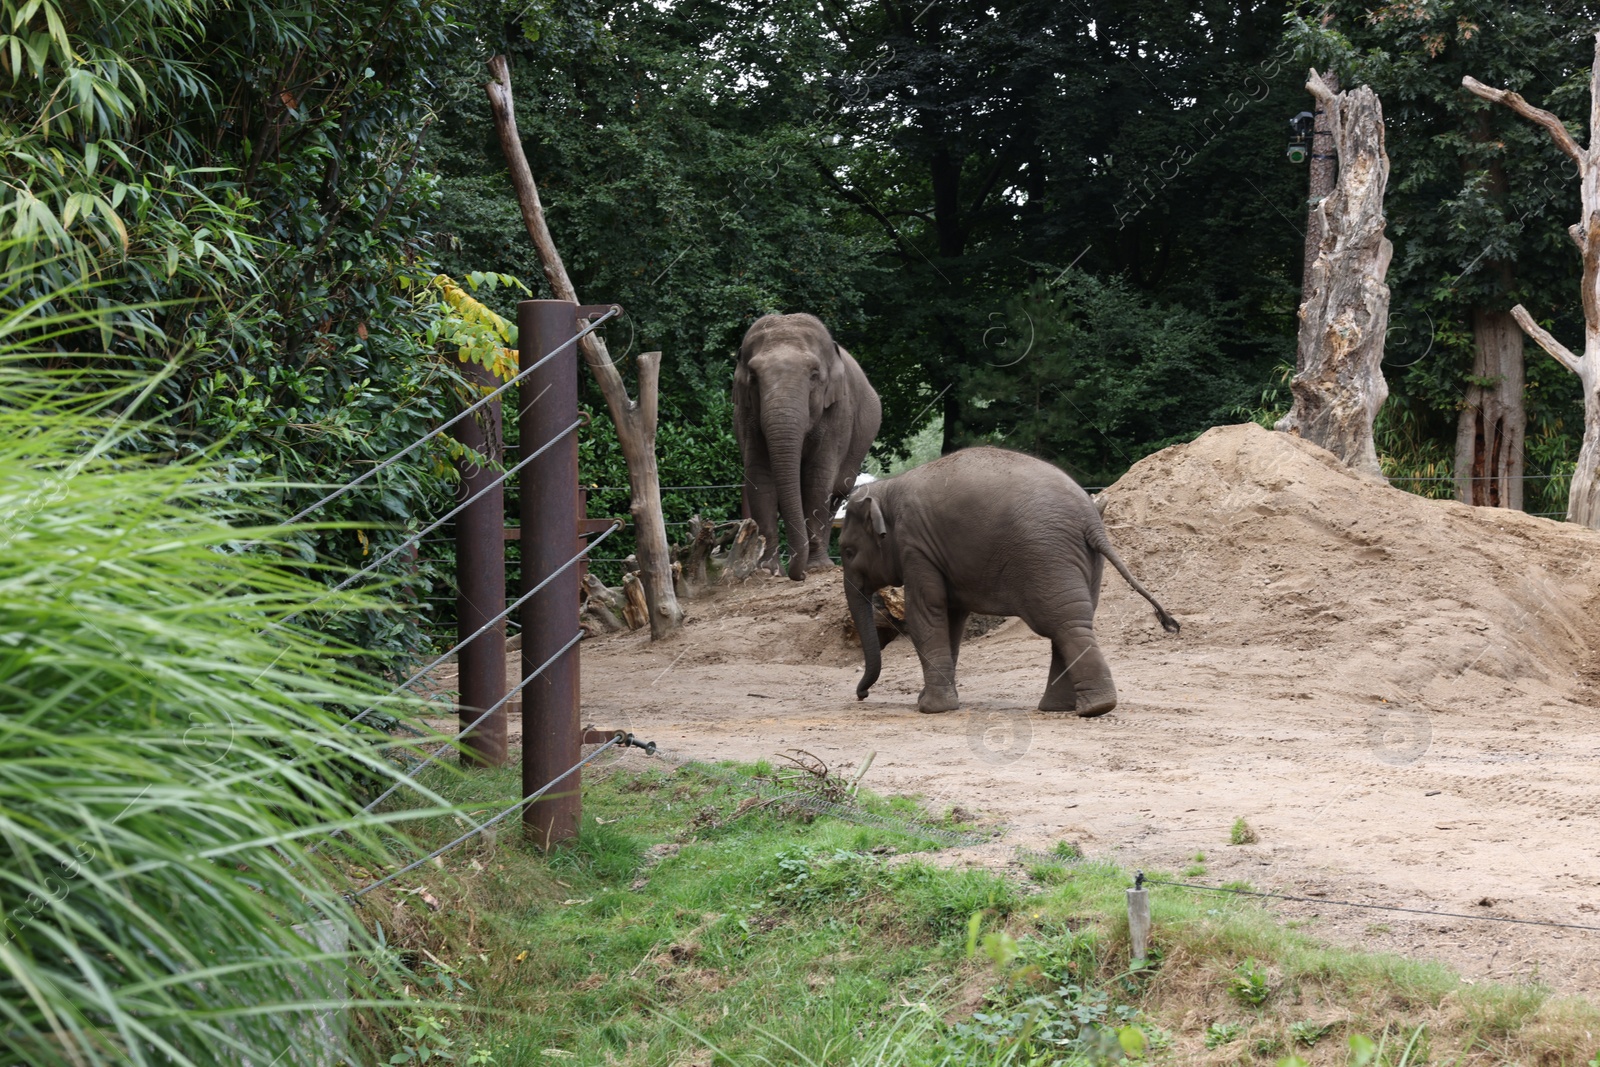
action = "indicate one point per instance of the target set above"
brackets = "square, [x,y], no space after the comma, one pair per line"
[1583,498]
[635,610]
[744,555]
[602,605]
[1345,313]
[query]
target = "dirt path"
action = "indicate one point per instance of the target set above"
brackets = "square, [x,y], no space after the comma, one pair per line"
[1394,693]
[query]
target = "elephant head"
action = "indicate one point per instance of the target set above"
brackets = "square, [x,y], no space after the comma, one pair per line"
[790,371]
[866,546]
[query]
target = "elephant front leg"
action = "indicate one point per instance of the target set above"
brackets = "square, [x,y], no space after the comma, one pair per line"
[1080,678]
[819,524]
[928,620]
[763,497]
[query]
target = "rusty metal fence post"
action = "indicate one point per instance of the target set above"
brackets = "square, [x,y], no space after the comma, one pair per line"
[481,582]
[551,735]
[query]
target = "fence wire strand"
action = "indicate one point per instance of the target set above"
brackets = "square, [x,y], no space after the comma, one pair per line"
[481,827]
[442,427]
[1372,907]
[513,606]
[415,769]
[440,521]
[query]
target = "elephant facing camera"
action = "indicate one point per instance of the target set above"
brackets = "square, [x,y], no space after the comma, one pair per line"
[804,415]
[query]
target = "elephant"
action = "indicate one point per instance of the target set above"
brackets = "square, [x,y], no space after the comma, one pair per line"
[992,531]
[804,415]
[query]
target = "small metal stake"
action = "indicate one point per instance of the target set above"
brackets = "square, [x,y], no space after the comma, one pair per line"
[1139,919]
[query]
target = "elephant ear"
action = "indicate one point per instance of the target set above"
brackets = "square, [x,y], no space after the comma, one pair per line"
[746,397]
[879,526]
[833,376]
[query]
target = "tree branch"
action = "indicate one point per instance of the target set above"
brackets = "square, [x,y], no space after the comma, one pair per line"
[1557,350]
[1514,101]
[865,204]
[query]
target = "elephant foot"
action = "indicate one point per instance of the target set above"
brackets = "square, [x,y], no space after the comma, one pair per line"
[820,563]
[1056,701]
[1090,705]
[934,700]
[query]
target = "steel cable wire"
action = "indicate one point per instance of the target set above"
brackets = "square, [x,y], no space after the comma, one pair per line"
[513,606]
[440,521]
[481,827]
[441,428]
[414,769]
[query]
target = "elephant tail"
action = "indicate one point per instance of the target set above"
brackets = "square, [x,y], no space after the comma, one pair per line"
[1102,544]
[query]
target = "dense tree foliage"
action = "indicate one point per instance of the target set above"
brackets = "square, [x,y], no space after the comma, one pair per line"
[241,183]
[1065,226]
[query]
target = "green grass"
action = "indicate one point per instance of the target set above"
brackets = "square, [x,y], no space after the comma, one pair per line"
[691,925]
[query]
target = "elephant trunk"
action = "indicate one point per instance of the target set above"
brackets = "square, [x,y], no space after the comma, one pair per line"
[785,434]
[860,601]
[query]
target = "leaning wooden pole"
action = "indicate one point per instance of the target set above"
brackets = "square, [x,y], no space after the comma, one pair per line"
[1583,499]
[635,420]
[1339,387]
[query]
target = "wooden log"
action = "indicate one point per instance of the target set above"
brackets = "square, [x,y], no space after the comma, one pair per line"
[1339,385]
[635,610]
[602,605]
[744,555]
[888,616]
[679,586]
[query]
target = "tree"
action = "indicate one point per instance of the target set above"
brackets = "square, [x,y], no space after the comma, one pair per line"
[1339,385]
[1475,208]
[1583,503]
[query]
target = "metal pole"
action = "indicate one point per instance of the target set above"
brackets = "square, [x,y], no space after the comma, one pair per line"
[551,737]
[1139,920]
[481,583]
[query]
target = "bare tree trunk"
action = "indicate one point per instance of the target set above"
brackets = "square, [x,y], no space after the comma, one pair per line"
[1583,500]
[1339,385]
[635,420]
[1493,422]
[1324,170]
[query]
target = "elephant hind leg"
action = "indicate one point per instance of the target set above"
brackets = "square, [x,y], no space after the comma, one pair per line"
[1080,678]
[958,630]
[1058,692]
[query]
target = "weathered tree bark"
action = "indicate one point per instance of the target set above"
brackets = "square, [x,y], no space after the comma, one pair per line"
[1493,421]
[635,610]
[1339,385]
[1583,500]
[602,604]
[745,554]
[635,420]
[705,537]
[1324,171]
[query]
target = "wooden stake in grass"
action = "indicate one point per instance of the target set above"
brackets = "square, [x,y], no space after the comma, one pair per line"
[635,419]
[1583,498]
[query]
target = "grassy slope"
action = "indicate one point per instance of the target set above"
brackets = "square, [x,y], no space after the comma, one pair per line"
[683,922]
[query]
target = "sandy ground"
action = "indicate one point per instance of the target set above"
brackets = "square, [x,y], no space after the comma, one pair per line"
[1397,694]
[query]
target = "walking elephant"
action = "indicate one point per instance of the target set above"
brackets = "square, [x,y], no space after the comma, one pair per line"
[990,531]
[804,415]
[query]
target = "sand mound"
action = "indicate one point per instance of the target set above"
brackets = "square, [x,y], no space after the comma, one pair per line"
[1255,538]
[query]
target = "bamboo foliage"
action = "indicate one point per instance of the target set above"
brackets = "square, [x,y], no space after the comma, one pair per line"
[166,754]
